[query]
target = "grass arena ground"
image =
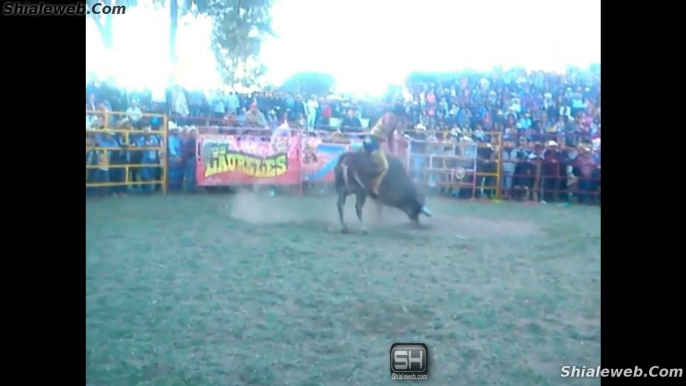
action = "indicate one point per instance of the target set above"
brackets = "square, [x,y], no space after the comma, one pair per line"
[245,290]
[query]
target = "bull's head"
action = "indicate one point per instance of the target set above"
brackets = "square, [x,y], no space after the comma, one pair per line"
[416,207]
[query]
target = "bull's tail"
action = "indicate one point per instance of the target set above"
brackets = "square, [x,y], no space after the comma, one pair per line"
[357,179]
[344,168]
[342,158]
[342,173]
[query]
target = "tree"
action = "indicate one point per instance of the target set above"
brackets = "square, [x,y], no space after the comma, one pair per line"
[104,21]
[177,8]
[194,7]
[173,28]
[309,83]
[240,27]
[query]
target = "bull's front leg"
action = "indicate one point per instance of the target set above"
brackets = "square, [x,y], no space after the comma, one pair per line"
[359,204]
[340,205]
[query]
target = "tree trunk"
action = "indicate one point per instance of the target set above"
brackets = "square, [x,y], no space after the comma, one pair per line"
[106,33]
[104,25]
[173,26]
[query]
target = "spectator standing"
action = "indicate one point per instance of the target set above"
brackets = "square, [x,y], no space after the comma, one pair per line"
[91,104]
[175,157]
[264,102]
[298,109]
[232,103]
[289,102]
[509,161]
[327,112]
[550,171]
[195,102]
[584,167]
[218,107]
[149,156]
[311,108]
[179,104]
[104,158]
[189,154]
[105,119]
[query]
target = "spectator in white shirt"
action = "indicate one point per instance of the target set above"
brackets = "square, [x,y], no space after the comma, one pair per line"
[179,102]
[565,111]
[516,105]
[311,110]
[134,113]
[283,130]
[232,103]
[218,106]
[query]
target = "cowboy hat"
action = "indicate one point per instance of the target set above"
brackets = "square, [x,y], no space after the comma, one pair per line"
[551,143]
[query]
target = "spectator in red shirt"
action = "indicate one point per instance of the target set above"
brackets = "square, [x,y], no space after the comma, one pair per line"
[550,171]
[327,112]
[430,98]
[584,167]
[189,154]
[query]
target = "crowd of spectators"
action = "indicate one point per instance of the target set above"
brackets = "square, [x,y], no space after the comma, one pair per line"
[534,113]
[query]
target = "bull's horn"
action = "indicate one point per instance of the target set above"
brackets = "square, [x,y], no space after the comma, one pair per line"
[426,211]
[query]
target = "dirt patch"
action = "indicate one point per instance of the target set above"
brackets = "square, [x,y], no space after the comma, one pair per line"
[178,287]
[480,227]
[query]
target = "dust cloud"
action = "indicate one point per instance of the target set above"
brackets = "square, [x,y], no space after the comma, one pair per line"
[251,208]
[248,207]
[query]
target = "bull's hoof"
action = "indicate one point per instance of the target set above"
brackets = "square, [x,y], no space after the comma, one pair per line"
[345,230]
[365,232]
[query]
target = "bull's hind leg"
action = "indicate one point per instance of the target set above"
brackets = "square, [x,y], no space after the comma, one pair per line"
[379,207]
[360,198]
[340,205]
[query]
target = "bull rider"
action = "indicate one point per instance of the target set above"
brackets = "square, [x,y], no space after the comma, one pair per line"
[379,133]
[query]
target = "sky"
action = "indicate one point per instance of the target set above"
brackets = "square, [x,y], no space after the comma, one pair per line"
[365,44]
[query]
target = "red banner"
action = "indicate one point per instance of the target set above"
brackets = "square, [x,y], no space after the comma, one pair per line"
[225,160]
[319,158]
[232,160]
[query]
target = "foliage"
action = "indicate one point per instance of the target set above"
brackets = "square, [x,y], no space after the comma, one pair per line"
[308,83]
[431,77]
[240,27]
[103,21]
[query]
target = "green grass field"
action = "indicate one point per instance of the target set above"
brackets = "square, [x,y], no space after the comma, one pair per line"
[239,290]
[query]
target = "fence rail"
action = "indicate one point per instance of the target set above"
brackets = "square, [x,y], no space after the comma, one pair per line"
[455,165]
[119,156]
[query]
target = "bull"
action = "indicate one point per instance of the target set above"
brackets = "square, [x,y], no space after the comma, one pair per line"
[353,175]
